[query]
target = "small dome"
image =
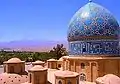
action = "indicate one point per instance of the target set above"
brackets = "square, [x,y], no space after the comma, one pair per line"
[66,73]
[108,79]
[38,68]
[38,62]
[93,21]
[14,60]
[51,60]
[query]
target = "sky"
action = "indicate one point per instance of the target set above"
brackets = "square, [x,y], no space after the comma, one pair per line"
[42,19]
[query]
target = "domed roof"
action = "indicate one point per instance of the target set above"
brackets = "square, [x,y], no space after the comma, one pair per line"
[14,60]
[108,79]
[37,68]
[93,21]
[66,73]
[38,62]
[52,60]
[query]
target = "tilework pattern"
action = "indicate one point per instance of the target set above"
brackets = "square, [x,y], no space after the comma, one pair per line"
[94,47]
[93,30]
[92,20]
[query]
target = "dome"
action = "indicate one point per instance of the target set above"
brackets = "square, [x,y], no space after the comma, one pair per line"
[108,79]
[37,68]
[66,73]
[52,60]
[93,21]
[93,30]
[38,62]
[14,60]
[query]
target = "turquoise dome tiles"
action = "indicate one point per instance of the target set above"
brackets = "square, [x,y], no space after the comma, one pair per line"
[92,20]
[93,30]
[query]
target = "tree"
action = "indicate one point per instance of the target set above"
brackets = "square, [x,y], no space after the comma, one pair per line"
[59,51]
[35,56]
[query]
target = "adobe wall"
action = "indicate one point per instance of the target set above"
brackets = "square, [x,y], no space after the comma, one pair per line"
[15,67]
[93,68]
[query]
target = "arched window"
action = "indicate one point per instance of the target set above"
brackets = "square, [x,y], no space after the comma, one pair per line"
[59,65]
[82,66]
[69,82]
[82,77]
[59,82]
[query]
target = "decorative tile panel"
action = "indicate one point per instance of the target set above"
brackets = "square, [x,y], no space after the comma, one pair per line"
[97,47]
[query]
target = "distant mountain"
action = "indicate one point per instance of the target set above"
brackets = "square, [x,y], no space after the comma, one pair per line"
[30,45]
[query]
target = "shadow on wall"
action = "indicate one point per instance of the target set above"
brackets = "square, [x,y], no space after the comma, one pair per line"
[24,73]
[48,82]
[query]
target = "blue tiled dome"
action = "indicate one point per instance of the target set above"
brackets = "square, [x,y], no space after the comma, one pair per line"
[92,21]
[93,30]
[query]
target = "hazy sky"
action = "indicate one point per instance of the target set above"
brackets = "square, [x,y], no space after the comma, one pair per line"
[42,19]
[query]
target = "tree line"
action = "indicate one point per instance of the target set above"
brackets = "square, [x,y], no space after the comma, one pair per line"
[57,52]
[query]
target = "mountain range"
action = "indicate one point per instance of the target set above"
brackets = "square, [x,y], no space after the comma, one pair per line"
[30,45]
